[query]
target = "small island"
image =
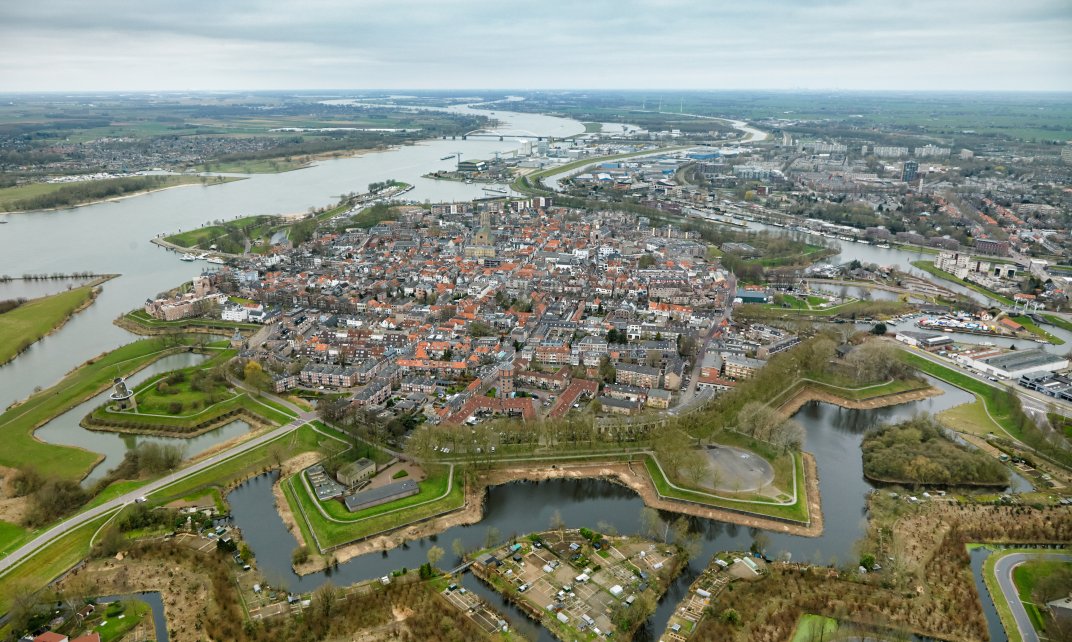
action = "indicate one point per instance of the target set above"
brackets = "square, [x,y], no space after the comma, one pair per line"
[919,451]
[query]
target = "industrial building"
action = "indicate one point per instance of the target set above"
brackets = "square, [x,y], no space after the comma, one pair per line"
[924,340]
[1015,364]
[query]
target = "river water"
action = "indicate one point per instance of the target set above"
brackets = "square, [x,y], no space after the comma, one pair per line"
[113,238]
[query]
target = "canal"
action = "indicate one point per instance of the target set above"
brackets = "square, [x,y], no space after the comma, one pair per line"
[833,436]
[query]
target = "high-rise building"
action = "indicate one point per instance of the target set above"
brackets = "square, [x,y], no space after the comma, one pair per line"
[910,171]
[1066,154]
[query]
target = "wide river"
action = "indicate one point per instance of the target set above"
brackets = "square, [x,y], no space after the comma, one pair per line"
[114,237]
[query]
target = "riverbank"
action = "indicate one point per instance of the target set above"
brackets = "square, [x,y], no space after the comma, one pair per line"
[38,318]
[180,181]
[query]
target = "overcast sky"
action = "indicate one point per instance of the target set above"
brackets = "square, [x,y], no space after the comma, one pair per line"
[77,45]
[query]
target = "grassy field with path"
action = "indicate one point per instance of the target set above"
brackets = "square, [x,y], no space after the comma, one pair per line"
[18,423]
[26,324]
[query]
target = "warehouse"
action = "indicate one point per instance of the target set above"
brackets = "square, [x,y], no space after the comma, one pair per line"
[1015,364]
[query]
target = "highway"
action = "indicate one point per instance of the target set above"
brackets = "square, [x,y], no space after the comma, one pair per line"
[23,553]
[1003,570]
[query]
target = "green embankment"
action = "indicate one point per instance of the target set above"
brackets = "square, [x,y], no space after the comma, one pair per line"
[36,196]
[1033,328]
[930,268]
[18,423]
[26,324]
[230,236]
[11,537]
[139,318]
[261,458]
[527,184]
[1026,577]
[750,503]
[990,396]
[429,501]
[42,568]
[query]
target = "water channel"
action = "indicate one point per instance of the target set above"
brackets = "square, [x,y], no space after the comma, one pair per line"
[833,436]
[113,238]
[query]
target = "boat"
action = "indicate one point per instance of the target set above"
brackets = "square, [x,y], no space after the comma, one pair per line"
[884,246]
[216,260]
[202,256]
[187,257]
[494,191]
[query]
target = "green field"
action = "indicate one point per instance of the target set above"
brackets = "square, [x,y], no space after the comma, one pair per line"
[21,327]
[260,459]
[17,424]
[797,511]
[36,196]
[986,393]
[11,536]
[814,627]
[113,621]
[230,236]
[929,267]
[1033,328]
[50,561]
[1026,576]
[1060,322]
[377,518]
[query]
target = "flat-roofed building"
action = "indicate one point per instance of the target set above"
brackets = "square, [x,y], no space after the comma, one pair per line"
[925,340]
[1015,364]
[381,495]
[356,471]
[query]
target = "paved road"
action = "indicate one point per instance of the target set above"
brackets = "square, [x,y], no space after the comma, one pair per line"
[65,527]
[1003,569]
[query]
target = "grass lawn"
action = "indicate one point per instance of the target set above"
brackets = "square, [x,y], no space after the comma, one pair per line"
[797,511]
[229,236]
[969,417]
[261,458]
[115,489]
[1060,322]
[377,518]
[984,392]
[49,562]
[1026,576]
[814,627]
[117,618]
[1033,328]
[17,424]
[929,267]
[1060,423]
[34,319]
[11,536]
[871,392]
